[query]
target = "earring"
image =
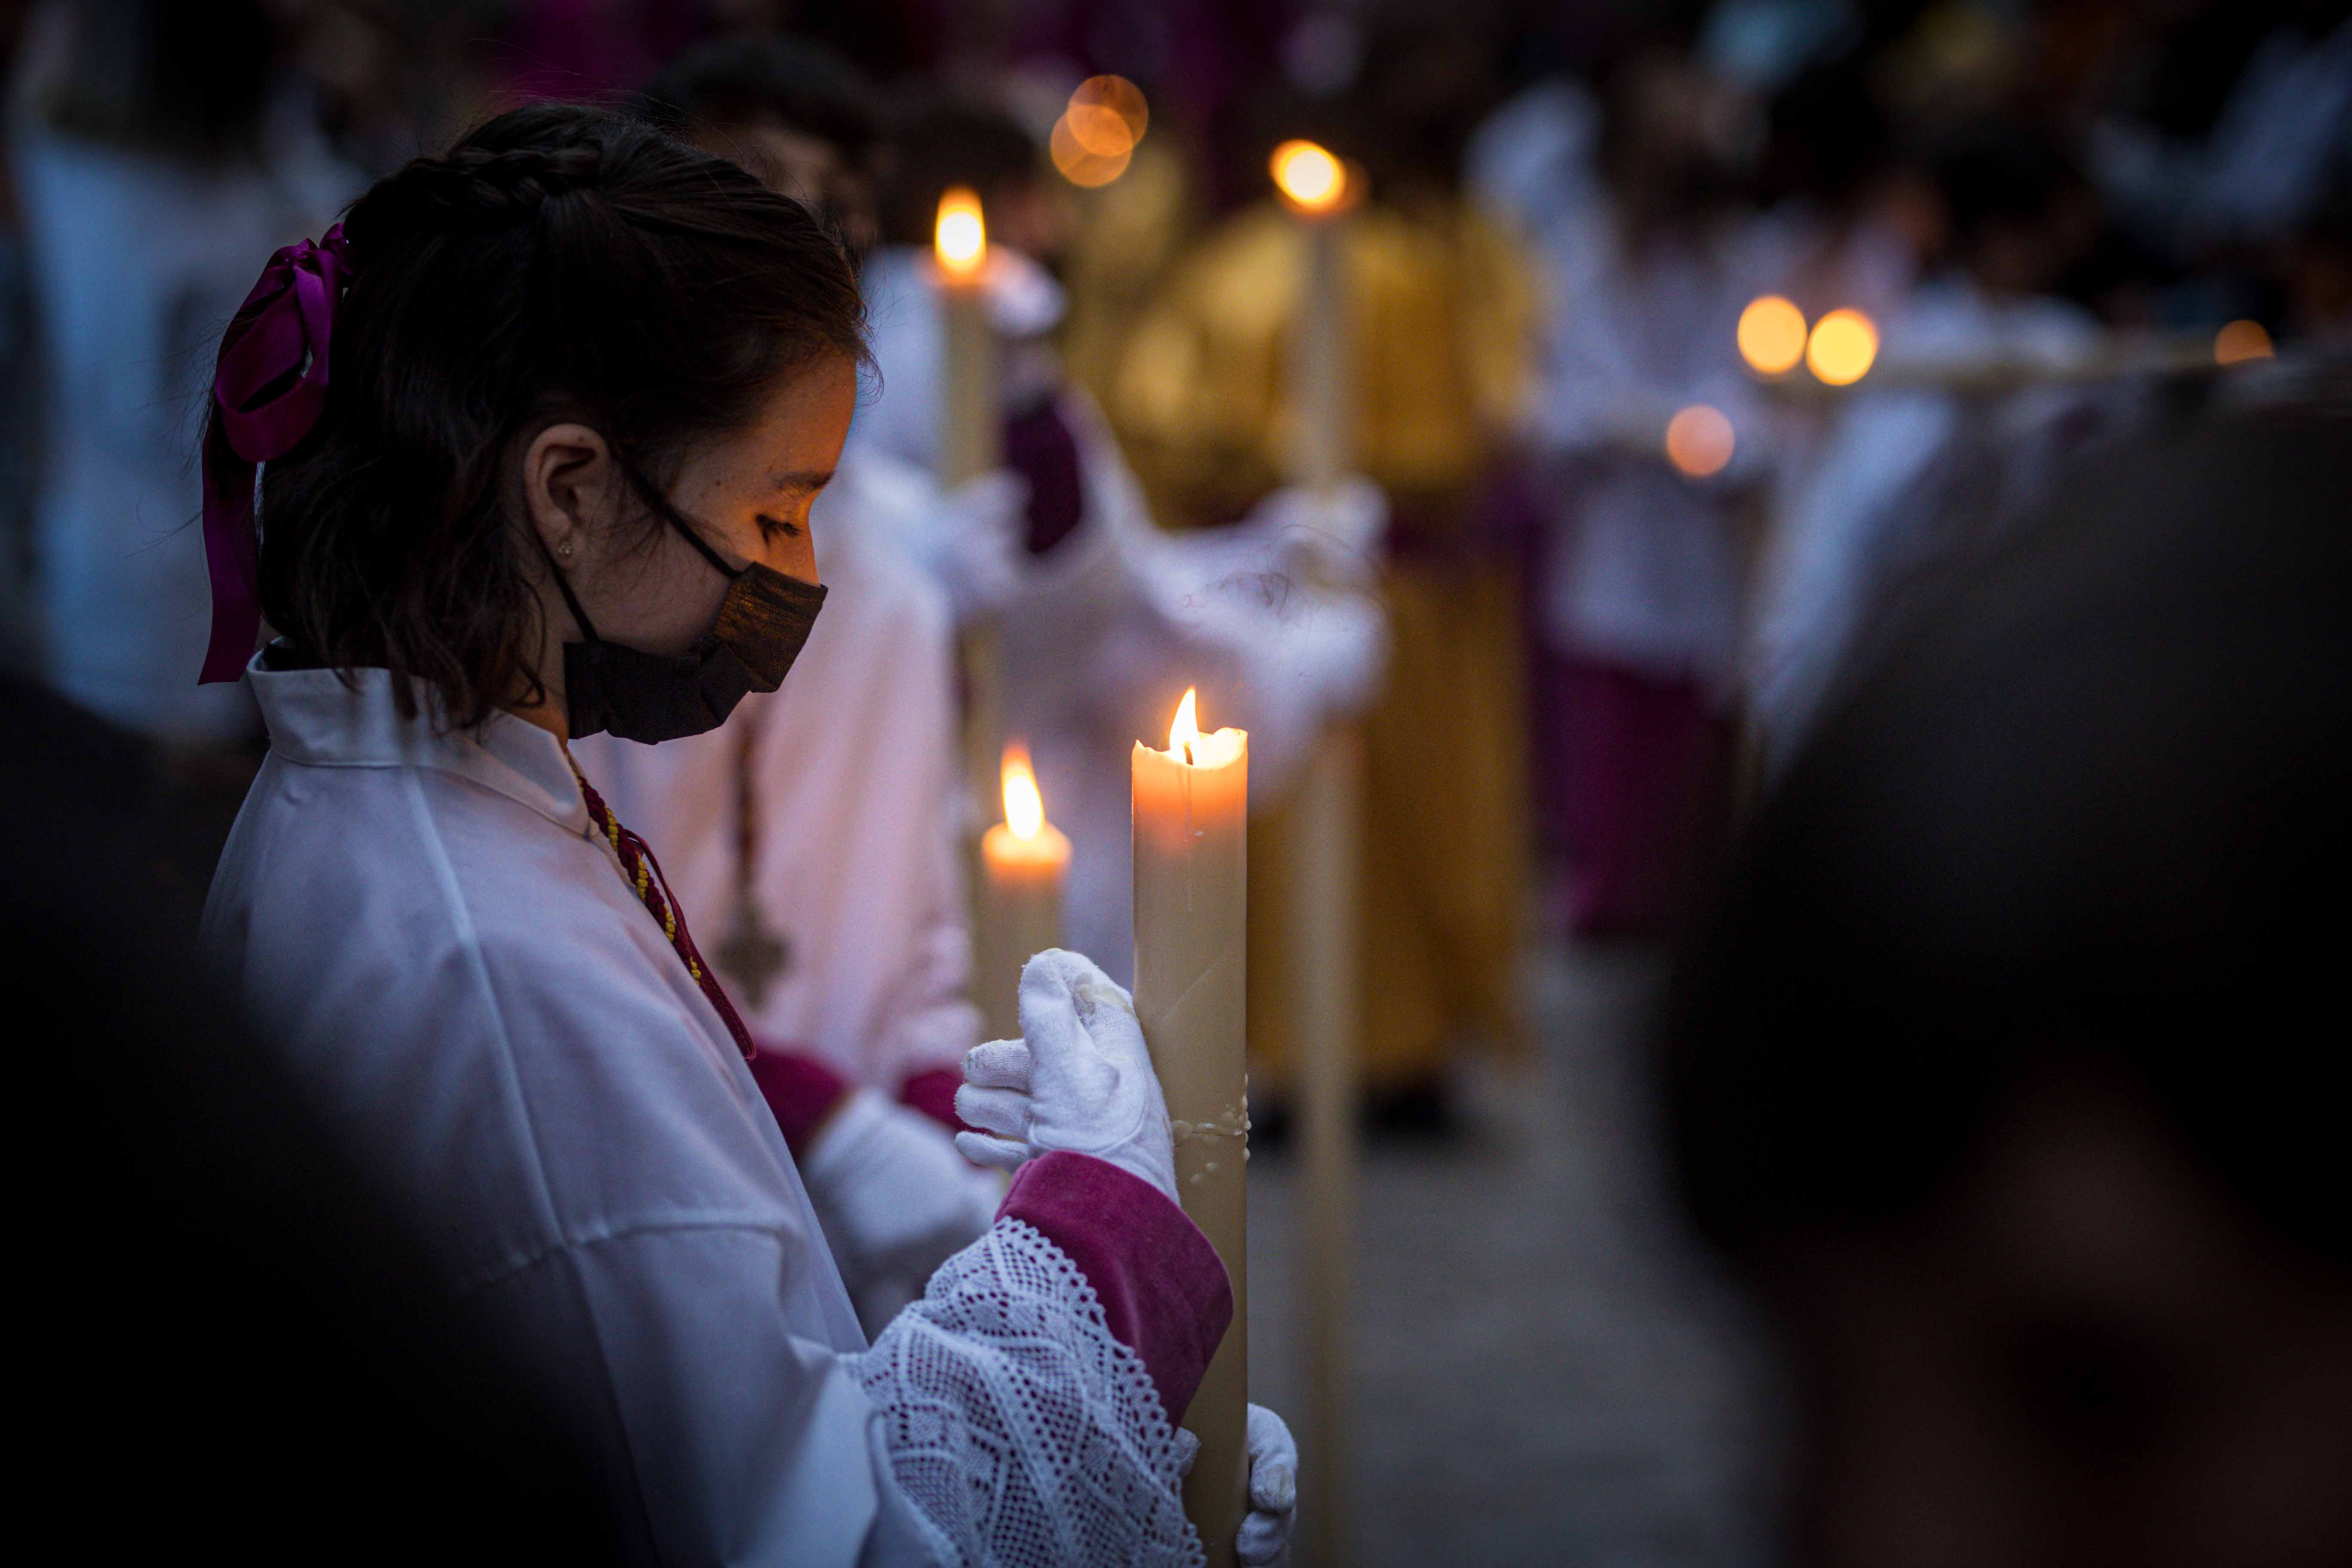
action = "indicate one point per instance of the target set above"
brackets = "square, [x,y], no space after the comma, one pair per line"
[565,550]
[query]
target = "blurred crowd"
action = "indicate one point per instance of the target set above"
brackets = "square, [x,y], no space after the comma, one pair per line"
[1609,622]
[1688,348]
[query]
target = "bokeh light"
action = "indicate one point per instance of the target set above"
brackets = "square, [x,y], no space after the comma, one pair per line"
[1699,440]
[1095,137]
[1771,335]
[1309,178]
[961,236]
[1843,346]
[2239,342]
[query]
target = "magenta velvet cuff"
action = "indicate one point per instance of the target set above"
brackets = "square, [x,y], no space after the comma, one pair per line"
[800,1090]
[1162,1288]
[933,1093]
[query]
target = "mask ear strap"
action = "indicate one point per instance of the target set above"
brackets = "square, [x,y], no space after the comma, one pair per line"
[564,587]
[659,505]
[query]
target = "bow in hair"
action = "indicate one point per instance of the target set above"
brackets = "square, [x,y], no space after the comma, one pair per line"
[270,387]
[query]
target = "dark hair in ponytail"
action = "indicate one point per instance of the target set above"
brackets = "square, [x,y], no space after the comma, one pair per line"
[561,261]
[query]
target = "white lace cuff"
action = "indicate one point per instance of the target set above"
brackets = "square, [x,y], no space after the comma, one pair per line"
[1020,1430]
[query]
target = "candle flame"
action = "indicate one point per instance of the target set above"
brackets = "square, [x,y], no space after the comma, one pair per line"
[1187,745]
[1771,335]
[1842,347]
[1185,734]
[1024,808]
[960,237]
[2239,342]
[1310,178]
[1699,441]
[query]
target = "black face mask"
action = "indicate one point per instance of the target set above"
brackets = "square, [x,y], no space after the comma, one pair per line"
[654,696]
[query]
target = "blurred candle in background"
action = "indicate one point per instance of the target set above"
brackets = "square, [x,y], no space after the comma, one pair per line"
[1699,441]
[1191,920]
[1024,859]
[971,437]
[1771,335]
[1321,872]
[1843,346]
[1316,188]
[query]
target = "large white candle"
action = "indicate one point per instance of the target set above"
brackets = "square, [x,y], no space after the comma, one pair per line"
[1191,863]
[1024,860]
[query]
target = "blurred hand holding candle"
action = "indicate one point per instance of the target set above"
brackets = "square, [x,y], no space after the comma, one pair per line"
[1192,918]
[1023,861]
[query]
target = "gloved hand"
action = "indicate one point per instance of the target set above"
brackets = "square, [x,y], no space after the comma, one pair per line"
[969,539]
[894,1196]
[1332,541]
[1264,1541]
[1264,1538]
[1078,1080]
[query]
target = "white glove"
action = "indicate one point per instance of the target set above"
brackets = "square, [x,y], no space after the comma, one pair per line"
[1078,1080]
[894,1196]
[1264,1539]
[969,541]
[1331,539]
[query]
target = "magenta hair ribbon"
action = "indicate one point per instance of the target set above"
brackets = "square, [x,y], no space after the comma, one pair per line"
[269,386]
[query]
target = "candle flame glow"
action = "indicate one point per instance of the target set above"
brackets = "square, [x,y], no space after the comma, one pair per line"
[1699,441]
[1096,137]
[1024,808]
[1185,734]
[1771,335]
[1187,745]
[1313,180]
[2239,342]
[961,236]
[1843,345]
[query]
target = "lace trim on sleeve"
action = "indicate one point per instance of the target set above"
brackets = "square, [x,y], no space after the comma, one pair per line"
[1021,1432]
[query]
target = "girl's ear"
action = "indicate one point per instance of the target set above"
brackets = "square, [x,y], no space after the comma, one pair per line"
[571,485]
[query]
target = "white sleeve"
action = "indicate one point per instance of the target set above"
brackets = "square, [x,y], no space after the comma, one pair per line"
[1019,1430]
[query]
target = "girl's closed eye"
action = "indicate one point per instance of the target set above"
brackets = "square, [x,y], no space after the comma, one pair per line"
[773,527]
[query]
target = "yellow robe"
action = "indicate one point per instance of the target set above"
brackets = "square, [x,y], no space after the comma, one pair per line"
[1443,332]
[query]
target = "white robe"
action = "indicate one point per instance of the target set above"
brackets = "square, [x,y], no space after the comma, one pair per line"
[461,975]
[1644,570]
[856,764]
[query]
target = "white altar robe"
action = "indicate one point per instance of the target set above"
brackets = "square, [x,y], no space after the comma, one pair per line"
[464,980]
[463,976]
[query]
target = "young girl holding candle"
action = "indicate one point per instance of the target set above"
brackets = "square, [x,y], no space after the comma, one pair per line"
[585,382]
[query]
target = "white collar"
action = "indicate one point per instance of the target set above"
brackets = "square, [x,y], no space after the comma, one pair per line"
[316,721]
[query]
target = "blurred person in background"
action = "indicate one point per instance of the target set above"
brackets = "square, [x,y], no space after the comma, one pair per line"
[1639,603]
[1995,1070]
[1101,617]
[1443,314]
[159,147]
[1907,475]
[20,429]
[818,828]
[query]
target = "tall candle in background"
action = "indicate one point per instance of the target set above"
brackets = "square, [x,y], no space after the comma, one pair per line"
[1192,859]
[1314,187]
[1024,860]
[971,443]
[971,440]
[1320,948]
